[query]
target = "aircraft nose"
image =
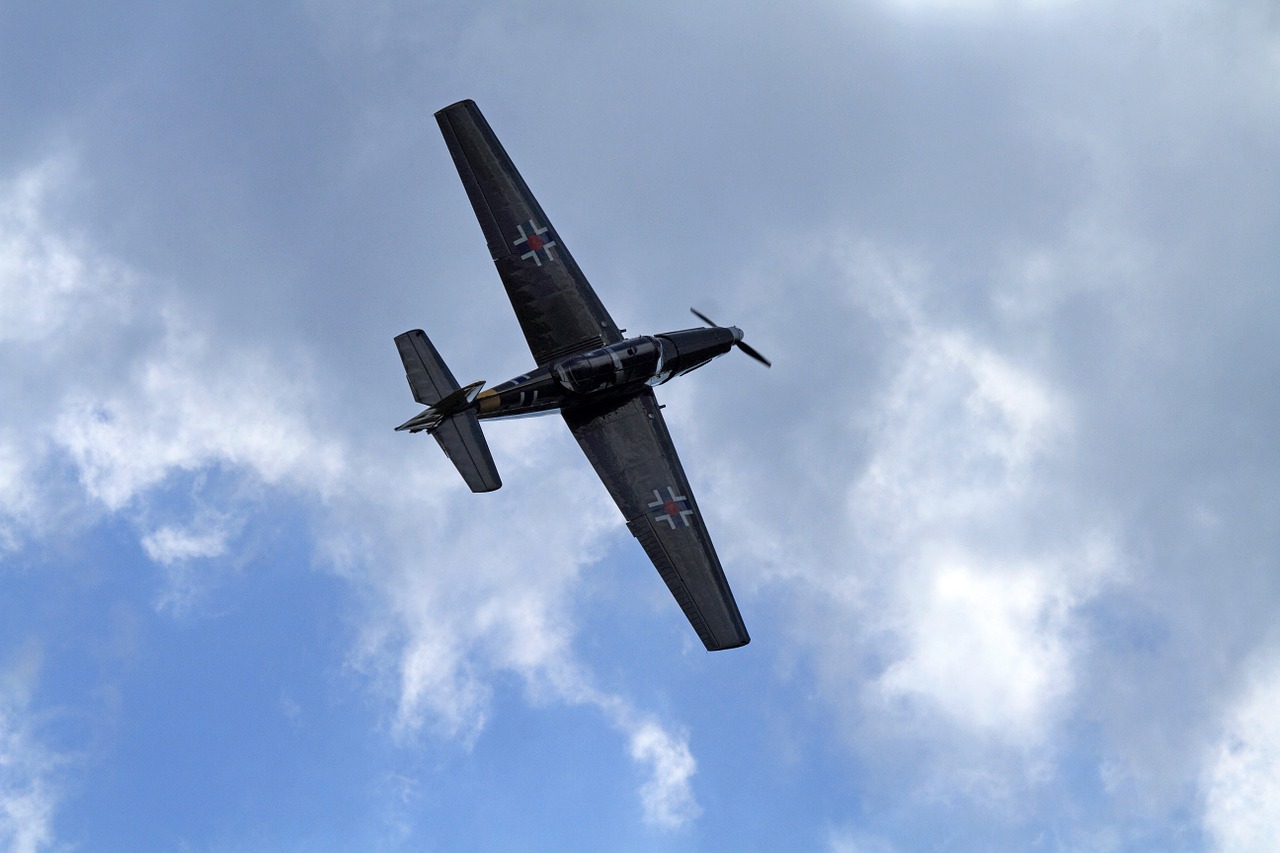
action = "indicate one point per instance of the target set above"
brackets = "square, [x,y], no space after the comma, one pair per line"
[737,333]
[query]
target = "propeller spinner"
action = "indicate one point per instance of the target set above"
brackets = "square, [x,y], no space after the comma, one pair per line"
[746,348]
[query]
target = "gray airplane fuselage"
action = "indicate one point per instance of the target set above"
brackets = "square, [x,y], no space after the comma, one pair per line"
[620,370]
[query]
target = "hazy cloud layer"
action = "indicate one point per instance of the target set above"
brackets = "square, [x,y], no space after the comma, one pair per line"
[1001,518]
[442,620]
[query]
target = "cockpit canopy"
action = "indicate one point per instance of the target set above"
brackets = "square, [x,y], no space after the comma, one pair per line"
[629,362]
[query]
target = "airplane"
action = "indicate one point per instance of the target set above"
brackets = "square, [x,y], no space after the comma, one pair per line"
[601,382]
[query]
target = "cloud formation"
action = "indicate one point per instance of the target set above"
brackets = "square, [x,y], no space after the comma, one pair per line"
[963,440]
[449,605]
[1242,777]
[1000,518]
[27,788]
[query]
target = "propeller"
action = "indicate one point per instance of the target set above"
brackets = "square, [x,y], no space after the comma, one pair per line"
[746,348]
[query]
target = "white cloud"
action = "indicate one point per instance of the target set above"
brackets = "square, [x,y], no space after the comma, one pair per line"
[144,391]
[853,841]
[191,405]
[918,535]
[984,645]
[481,585]
[957,435]
[175,547]
[52,289]
[667,796]
[968,542]
[958,442]
[15,498]
[1242,778]
[973,614]
[27,797]
[49,283]
[168,545]
[498,592]
[498,596]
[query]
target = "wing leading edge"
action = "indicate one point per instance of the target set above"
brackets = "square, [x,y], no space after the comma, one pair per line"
[558,311]
[631,450]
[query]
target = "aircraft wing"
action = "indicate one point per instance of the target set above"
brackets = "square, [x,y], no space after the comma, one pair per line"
[557,309]
[631,450]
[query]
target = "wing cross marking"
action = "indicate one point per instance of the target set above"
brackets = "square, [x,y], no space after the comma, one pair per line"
[535,242]
[671,508]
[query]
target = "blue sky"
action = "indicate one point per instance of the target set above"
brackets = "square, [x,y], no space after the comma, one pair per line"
[1001,519]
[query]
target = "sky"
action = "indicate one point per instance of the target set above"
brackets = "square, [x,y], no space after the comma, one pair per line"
[1001,519]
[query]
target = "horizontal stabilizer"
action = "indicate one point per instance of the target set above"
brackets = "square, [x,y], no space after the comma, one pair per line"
[430,417]
[462,441]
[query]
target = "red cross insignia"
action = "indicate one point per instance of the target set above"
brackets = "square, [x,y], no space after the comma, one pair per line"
[538,241]
[675,510]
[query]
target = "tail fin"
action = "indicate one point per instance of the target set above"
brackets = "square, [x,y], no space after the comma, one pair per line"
[455,426]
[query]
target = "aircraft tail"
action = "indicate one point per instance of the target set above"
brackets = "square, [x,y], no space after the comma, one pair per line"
[449,415]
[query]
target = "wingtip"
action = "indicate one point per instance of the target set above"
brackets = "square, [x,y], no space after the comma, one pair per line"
[737,643]
[465,103]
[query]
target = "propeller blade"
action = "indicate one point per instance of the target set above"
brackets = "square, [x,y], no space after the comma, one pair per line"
[749,350]
[746,348]
[704,318]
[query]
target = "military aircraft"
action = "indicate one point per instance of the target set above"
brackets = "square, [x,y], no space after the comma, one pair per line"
[600,382]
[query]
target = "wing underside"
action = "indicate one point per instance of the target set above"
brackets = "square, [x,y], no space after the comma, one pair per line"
[558,311]
[630,448]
